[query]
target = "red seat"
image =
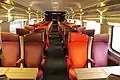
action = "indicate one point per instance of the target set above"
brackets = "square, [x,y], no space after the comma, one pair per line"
[77,52]
[10,50]
[34,51]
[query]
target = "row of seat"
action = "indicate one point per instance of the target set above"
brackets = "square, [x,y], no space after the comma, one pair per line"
[33,51]
[85,49]
[44,26]
[33,48]
[78,52]
[65,29]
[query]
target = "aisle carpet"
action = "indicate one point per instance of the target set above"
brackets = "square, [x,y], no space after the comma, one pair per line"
[55,66]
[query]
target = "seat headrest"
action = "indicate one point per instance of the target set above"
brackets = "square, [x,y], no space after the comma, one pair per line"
[21,31]
[101,38]
[35,25]
[33,37]
[89,32]
[30,28]
[78,37]
[43,26]
[75,26]
[6,36]
[39,30]
[71,30]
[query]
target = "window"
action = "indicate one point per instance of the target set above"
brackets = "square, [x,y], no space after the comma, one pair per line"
[16,24]
[116,38]
[87,24]
[32,22]
[77,22]
[93,25]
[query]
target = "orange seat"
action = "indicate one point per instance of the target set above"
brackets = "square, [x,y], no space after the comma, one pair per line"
[77,52]
[43,27]
[29,28]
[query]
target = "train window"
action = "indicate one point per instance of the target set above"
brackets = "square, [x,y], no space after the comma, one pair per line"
[32,21]
[93,25]
[116,38]
[88,25]
[16,24]
[77,22]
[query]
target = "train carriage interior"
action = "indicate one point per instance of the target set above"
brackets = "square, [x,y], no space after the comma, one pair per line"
[59,40]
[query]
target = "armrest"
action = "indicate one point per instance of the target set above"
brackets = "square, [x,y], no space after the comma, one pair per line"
[68,61]
[19,61]
[43,57]
[66,57]
[43,60]
[91,61]
[113,59]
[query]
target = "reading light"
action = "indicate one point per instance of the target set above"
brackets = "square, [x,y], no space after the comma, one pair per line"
[102,4]
[1,21]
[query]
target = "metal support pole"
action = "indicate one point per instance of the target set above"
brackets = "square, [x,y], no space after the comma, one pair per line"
[21,49]
[65,17]
[101,14]
[72,16]
[104,27]
[81,18]
[37,17]
[9,15]
[29,17]
[41,17]
[8,8]
[68,17]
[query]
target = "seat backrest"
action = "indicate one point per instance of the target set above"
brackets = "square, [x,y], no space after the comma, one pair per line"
[21,31]
[40,30]
[33,49]
[77,48]
[100,50]
[10,49]
[29,28]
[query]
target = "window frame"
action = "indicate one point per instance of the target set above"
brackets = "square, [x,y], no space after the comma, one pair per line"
[111,41]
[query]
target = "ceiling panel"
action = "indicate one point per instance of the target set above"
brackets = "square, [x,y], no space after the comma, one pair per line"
[60,4]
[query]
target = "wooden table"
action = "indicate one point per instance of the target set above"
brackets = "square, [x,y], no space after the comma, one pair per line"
[96,73]
[20,73]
